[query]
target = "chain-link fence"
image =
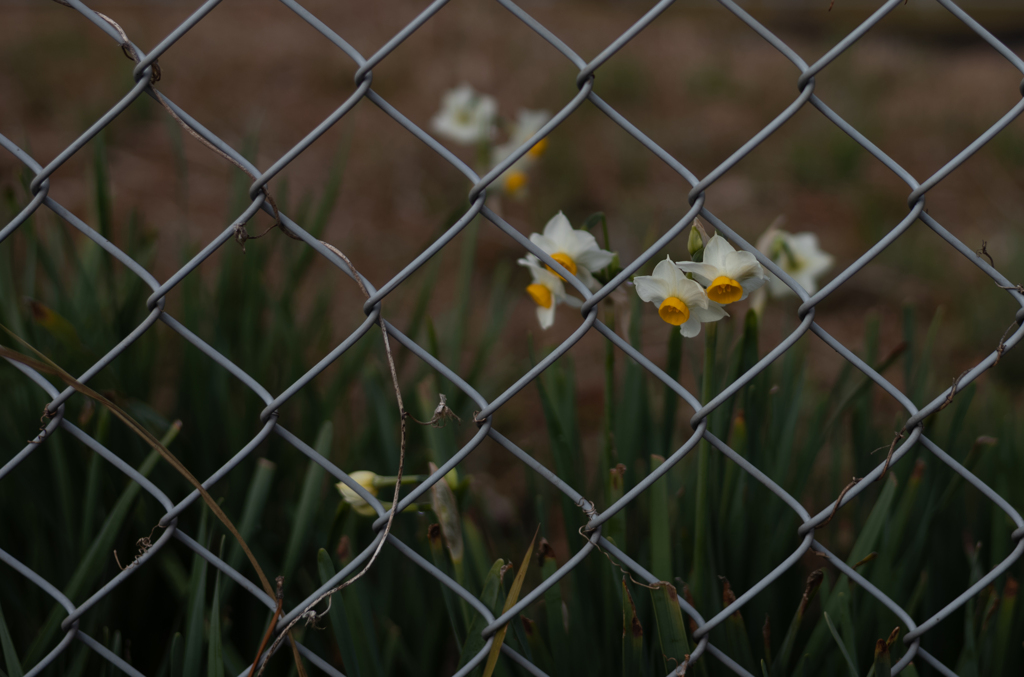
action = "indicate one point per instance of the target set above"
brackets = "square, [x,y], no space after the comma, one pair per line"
[146,76]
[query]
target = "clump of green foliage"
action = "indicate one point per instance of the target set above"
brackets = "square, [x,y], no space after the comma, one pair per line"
[707,528]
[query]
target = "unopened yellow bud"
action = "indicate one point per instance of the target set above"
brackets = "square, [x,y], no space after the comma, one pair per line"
[366,479]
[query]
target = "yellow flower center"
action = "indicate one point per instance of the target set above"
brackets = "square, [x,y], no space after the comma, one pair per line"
[725,290]
[673,311]
[515,182]
[566,262]
[541,295]
[538,148]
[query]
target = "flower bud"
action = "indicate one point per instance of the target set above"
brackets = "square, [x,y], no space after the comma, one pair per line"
[695,243]
[452,478]
[366,479]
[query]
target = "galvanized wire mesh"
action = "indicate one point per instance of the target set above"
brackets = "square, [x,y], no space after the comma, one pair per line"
[145,79]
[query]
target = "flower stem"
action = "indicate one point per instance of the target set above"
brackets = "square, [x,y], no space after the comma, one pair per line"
[608,451]
[700,578]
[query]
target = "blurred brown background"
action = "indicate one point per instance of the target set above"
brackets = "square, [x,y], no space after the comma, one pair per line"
[697,81]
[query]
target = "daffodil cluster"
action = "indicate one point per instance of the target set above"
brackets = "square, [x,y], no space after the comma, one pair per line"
[470,118]
[577,251]
[722,276]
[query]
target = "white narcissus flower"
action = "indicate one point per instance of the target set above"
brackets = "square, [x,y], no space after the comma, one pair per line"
[546,290]
[513,180]
[576,250]
[728,275]
[466,116]
[799,255]
[681,301]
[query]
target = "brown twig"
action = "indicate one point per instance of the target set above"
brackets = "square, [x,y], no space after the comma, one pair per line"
[952,390]
[839,500]
[590,513]
[1002,343]
[885,468]
[442,414]
[984,252]
[273,621]
[142,546]
[309,613]
[892,450]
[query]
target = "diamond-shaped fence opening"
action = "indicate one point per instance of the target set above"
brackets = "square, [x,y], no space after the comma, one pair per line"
[603,536]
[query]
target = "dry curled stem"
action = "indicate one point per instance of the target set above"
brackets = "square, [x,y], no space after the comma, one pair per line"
[142,546]
[442,414]
[590,511]
[839,501]
[892,447]
[984,252]
[952,390]
[309,613]
[1002,342]
[279,596]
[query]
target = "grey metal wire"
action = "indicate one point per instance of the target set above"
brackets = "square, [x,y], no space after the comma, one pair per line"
[478,195]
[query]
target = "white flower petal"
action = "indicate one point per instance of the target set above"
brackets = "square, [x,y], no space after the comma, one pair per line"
[803,243]
[594,259]
[766,243]
[798,255]
[678,285]
[550,280]
[806,280]
[466,116]
[651,289]
[713,313]
[691,327]
[546,316]
[500,153]
[528,123]
[560,232]
[705,273]
[545,242]
[542,275]
[750,285]
[716,250]
[574,243]
[586,278]
[666,272]
[812,257]
[690,293]
[742,266]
